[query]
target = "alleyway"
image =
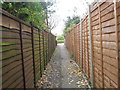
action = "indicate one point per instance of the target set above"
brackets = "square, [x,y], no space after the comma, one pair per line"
[63,72]
[31,57]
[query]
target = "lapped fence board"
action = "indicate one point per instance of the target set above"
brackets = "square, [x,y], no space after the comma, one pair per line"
[22,48]
[13,54]
[105,24]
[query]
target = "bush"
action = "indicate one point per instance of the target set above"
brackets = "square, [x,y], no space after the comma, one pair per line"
[60,37]
[60,41]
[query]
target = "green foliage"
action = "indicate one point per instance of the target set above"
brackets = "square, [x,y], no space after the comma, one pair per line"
[35,12]
[70,23]
[60,37]
[60,41]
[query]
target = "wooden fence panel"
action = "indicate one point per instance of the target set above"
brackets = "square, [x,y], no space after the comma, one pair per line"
[27,55]
[24,52]
[36,53]
[41,51]
[119,41]
[110,72]
[97,48]
[11,58]
[75,44]
[87,47]
[78,44]
[83,36]
[105,25]
[70,42]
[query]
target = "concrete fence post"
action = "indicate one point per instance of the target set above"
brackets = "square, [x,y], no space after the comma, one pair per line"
[91,46]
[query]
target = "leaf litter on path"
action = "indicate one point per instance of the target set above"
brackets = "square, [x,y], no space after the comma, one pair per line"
[75,70]
[52,77]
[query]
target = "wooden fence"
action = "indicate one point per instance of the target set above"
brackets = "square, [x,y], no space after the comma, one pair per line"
[26,50]
[95,44]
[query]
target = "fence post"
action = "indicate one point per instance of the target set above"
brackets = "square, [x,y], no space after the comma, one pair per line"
[48,47]
[74,43]
[81,43]
[33,53]
[84,58]
[43,49]
[117,37]
[40,52]
[91,48]
[21,44]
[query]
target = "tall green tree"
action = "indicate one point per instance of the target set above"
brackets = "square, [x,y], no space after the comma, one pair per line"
[70,22]
[36,12]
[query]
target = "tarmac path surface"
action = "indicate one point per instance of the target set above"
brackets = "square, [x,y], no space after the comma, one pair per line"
[63,72]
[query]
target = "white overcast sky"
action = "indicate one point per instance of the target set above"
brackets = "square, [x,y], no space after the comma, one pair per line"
[66,8]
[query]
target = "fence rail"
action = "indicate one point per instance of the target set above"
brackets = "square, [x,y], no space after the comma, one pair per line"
[26,50]
[96,41]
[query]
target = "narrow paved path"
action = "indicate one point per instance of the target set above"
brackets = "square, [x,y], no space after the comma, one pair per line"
[63,72]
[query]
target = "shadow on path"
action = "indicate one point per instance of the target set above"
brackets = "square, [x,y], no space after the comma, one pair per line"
[63,72]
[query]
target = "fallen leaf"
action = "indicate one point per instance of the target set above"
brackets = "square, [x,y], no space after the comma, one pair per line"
[71,81]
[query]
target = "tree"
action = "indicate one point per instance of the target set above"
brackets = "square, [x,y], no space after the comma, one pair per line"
[71,21]
[60,37]
[35,12]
